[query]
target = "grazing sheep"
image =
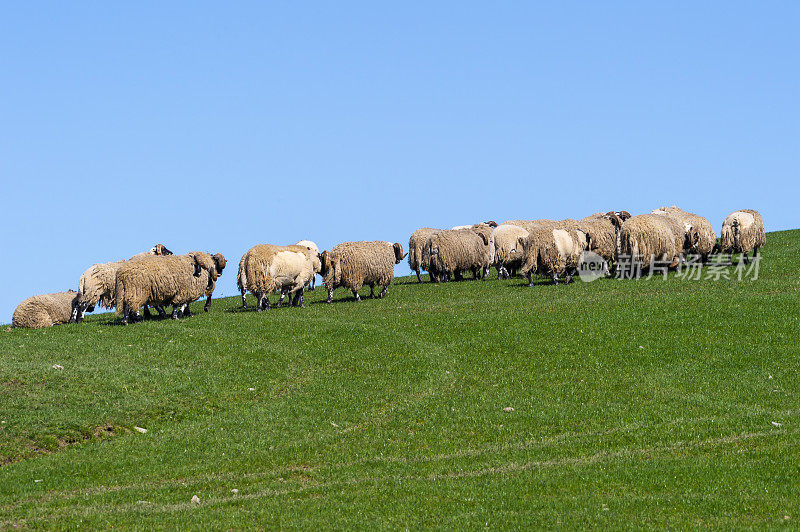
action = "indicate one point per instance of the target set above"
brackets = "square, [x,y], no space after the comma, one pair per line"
[508,252]
[314,249]
[742,232]
[553,251]
[288,269]
[651,237]
[603,229]
[455,251]
[416,260]
[161,281]
[96,285]
[45,310]
[355,264]
[707,236]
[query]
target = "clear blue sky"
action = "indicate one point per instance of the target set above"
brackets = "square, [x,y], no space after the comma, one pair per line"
[219,126]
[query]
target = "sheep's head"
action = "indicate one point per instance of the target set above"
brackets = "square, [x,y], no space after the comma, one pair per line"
[219,264]
[692,238]
[616,221]
[624,215]
[160,249]
[398,253]
[325,262]
[491,223]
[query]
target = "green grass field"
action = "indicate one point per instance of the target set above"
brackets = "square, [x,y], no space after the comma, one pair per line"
[635,404]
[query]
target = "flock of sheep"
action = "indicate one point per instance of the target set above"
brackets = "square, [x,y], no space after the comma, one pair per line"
[158,278]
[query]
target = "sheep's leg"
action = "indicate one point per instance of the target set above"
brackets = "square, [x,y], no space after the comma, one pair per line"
[207,306]
[312,284]
[146,313]
[745,258]
[555,278]
[244,299]
[355,294]
[330,295]
[501,271]
[419,278]
[125,315]
[730,257]
[136,317]
[383,292]
[280,301]
[458,275]
[175,312]
[187,312]
[161,312]
[530,278]
[371,291]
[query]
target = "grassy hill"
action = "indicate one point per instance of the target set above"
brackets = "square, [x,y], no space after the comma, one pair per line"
[479,404]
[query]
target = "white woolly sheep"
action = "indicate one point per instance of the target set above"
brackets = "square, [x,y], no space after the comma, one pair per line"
[416,260]
[508,252]
[743,232]
[356,264]
[650,237]
[44,310]
[707,237]
[455,251]
[161,281]
[314,249]
[96,285]
[553,251]
[288,269]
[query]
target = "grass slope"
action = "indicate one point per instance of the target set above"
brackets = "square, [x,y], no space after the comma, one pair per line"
[635,403]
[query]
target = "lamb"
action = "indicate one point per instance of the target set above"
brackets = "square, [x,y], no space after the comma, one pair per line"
[161,281]
[553,251]
[96,285]
[315,250]
[45,310]
[651,237]
[455,251]
[707,236]
[268,268]
[355,264]
[508,254]
[742,232]
[416,260]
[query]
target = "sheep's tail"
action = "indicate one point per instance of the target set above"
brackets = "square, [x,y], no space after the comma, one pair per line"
[119,296]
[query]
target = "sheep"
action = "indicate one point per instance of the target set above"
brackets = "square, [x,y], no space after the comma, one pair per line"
[96,285]
[416,260]
[45,310]
[491,223]
[355,264]
[553,251]
[742,232]
[219,264]
[314,249]
[651,237]
[603,229]
[168,280]
[508,254]
[455,251]
[708,238]
[241,280]
[268,268]
[530,224]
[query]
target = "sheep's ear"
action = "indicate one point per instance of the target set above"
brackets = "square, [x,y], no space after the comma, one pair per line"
[485,240]
[398,252]
[520,241]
